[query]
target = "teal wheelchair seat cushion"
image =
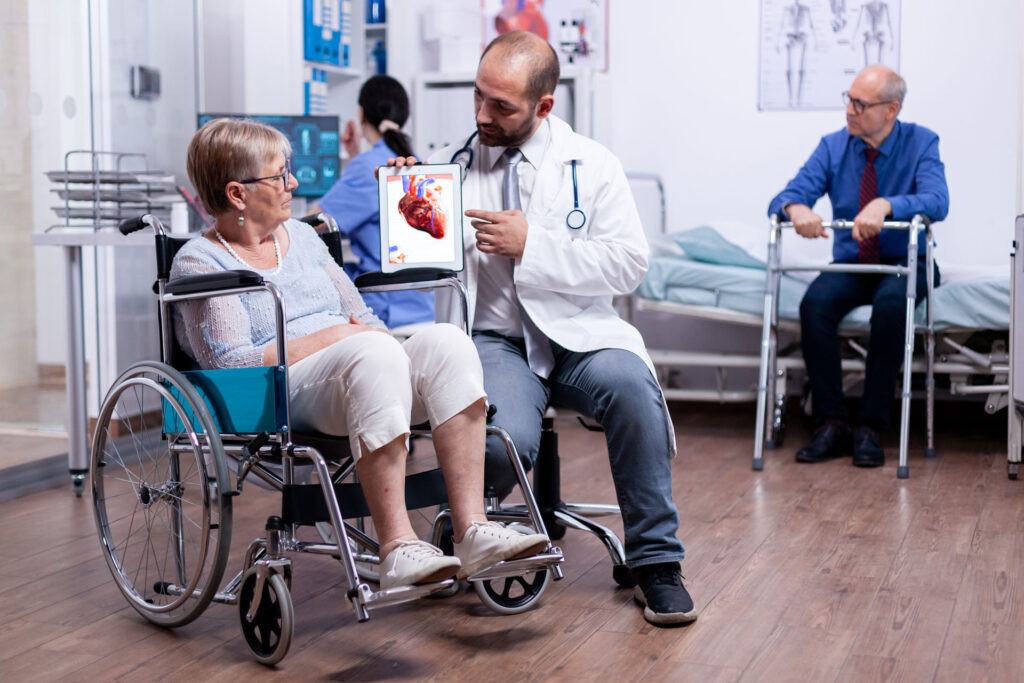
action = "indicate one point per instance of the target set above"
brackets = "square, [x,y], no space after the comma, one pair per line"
[240,400]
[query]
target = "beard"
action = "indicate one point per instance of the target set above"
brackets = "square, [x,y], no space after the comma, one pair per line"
[495,136]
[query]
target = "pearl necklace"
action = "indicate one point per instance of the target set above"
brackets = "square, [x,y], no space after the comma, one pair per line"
[277,251]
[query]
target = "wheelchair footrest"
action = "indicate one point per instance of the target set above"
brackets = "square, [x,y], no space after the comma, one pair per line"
[394,596]
[525,565]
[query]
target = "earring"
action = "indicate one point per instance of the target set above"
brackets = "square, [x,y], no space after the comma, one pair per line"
[241,220]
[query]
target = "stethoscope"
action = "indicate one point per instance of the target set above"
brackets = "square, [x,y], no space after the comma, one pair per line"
[575,219]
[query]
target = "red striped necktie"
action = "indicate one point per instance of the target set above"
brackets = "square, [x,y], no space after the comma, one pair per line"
[868,250]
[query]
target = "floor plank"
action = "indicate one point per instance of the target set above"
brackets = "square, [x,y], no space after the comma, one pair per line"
[820,572]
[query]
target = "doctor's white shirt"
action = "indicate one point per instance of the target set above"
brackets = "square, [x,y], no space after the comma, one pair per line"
[496,306]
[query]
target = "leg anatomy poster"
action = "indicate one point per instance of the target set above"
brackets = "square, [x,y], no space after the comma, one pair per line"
[811,49]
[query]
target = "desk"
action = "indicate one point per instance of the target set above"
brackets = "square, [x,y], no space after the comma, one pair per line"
[73,239]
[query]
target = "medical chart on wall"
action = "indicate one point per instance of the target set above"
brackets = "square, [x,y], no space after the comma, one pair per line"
[811,50]
[577,29]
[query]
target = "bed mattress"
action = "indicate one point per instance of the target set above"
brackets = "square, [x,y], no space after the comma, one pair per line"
[979,299]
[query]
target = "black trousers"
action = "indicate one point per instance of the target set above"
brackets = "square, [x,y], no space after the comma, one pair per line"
[830,297]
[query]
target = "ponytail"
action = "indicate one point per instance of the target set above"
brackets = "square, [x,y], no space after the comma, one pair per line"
[384,99]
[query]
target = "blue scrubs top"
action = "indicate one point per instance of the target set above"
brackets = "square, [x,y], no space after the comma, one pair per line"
[353,201]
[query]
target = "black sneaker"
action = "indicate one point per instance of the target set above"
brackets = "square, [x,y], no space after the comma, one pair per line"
[660,589]
[832,440]
[867,448]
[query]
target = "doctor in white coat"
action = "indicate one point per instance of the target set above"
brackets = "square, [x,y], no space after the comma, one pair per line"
[540,287]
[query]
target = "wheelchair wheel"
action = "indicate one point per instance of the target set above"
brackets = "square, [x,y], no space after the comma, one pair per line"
[269,633]
[513,594]
[158,486]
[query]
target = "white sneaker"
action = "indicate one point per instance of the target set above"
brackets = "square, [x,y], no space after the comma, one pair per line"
[413,562]
[488,543]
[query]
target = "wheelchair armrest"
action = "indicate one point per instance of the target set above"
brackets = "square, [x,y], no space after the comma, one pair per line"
[417,278]
[409,276]
[214,282]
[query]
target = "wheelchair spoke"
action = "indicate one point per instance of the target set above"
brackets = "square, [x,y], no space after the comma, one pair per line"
[117,453]
[127,422]
[152,494]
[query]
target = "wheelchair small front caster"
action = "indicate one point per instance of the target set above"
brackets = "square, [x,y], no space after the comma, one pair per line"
[623,576]
[267,615]
[78,482]
[513,594]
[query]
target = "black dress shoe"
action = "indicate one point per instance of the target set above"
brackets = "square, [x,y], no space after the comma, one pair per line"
[867,448]
[830,441]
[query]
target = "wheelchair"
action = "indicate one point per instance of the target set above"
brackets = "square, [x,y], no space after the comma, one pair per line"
[173,447]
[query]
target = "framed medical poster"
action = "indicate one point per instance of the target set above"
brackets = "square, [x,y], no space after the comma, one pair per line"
[576,29]
[811,50]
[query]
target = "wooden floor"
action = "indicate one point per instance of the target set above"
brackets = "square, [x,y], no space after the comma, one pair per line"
[801,572]
[31,423]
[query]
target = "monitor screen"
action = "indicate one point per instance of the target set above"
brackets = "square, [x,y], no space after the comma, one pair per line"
[315,148]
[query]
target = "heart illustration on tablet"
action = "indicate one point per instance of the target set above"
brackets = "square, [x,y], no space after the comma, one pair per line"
[421,205]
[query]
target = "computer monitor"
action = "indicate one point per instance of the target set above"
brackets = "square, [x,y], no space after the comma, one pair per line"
[315,148]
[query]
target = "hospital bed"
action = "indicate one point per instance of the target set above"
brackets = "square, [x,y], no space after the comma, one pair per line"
[1015,414]
[717,273]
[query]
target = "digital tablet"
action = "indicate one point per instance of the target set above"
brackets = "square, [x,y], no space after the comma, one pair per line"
[421,217]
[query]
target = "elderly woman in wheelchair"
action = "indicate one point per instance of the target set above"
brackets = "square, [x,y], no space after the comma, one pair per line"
[348,376]
[162,492]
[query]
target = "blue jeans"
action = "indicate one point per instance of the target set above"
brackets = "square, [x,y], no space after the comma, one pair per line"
[829,298]
[617,390]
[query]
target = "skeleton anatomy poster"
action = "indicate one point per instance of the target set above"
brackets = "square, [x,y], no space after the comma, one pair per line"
[811,49]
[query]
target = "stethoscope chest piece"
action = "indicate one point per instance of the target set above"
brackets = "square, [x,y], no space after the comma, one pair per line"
[575,219]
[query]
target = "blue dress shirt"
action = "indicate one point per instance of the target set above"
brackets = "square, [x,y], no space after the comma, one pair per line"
[353,201]
[910,175]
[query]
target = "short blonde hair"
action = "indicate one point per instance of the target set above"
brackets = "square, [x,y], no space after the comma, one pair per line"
[226,150]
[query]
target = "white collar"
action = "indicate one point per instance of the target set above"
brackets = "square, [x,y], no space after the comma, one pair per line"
[533,149]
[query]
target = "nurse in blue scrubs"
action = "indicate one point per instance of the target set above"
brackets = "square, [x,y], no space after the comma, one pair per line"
[353,200]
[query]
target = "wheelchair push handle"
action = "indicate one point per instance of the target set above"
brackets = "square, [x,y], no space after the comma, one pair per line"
[130,225]
[316,220]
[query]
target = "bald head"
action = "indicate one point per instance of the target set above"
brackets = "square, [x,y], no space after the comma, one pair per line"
[526,53]
[873,103]
[884,83]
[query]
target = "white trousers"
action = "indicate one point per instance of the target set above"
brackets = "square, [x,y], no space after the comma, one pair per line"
[371,387]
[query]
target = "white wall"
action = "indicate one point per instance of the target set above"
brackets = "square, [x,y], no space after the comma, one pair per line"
[17,306]
[59,76]
[124,32]
[157,34]
[690,75]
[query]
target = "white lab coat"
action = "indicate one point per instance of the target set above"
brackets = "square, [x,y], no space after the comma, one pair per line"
[566,278]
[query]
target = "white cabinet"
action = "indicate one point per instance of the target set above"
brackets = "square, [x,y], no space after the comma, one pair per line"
[343,83]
